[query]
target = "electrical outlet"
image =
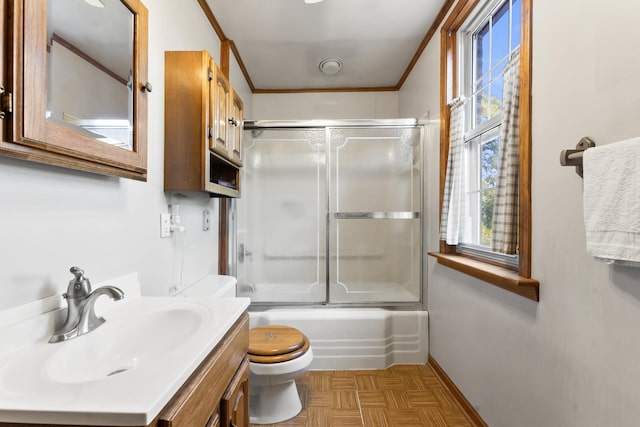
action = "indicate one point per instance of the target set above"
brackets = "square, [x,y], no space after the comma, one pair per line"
[206,220]
[165,225]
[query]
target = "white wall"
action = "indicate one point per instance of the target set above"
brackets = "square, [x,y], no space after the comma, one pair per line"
[329,105]
[53,218]
[572,358]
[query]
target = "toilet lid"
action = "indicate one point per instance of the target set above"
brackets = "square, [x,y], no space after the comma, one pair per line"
[277,358]
[273,340]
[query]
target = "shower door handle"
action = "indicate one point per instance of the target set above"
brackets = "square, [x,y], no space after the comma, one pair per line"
[243,253]
[373,215]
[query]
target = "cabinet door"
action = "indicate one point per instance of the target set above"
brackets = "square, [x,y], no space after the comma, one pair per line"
[210,103]
[235,401]
[214,420]
[221,124]
[99,125]
[236,129]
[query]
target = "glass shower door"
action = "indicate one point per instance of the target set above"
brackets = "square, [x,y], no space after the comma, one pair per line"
[374,215]
[281,225]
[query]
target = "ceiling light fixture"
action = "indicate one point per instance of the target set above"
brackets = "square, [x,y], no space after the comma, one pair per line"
[312,1]
[330,66]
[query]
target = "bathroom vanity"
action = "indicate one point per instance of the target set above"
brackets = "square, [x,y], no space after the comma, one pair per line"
[217,394]
[156,362]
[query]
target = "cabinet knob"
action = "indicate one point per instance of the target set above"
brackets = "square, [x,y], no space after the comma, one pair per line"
[147,87]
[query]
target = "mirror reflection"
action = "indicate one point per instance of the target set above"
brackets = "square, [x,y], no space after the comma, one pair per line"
[90,68]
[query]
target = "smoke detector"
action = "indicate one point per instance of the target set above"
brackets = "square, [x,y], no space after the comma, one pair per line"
[330,66]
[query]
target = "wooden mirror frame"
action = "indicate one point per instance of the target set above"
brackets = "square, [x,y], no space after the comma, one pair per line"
[27,133]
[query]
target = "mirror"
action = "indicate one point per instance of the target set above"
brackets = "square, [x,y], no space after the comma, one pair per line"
[76,86]
[90,69]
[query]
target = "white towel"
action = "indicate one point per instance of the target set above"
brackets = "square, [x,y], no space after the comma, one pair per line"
[612,202]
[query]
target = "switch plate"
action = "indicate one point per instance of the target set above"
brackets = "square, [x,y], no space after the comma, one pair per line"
[206,220]
[165,225]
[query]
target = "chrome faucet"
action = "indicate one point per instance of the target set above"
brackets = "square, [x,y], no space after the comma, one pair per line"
[81,315]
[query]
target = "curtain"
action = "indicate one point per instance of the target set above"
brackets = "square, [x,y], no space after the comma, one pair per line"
[504,236]
[454,206]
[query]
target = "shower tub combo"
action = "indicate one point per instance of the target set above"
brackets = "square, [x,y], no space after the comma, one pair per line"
[329,237]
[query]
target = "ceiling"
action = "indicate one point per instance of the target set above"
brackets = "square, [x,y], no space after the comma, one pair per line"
[282,42]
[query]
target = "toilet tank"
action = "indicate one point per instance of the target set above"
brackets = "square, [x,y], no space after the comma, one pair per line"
[213,285]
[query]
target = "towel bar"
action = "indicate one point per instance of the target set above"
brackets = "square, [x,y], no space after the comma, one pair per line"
[574,157]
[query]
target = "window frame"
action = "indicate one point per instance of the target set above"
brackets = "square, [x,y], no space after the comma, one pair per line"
[518,281]
[478,133]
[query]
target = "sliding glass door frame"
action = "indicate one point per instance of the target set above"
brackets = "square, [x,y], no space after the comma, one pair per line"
[331,216]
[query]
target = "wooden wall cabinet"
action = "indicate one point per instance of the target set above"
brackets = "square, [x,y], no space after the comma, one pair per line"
[28,133]
[236,130]
[229,120]
[203,135]
[222,91]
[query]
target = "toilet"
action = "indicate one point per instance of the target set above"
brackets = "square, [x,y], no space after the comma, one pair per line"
[277,355]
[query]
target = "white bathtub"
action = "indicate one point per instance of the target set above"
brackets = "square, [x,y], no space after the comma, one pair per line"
[341,338]
[356,338]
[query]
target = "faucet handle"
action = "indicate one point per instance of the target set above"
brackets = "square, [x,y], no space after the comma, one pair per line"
[79,286]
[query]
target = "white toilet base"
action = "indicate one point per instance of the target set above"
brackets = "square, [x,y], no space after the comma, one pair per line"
[270,404]
[273,395]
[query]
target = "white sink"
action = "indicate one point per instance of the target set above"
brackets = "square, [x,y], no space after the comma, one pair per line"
[122,373]
[123,344]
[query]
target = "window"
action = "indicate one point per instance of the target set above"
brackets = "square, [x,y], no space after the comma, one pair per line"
[480,39]
[488,41]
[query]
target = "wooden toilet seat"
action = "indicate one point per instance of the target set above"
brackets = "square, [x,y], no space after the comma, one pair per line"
[276,343]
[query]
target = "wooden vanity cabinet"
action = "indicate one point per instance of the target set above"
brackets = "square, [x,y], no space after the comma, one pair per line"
[217,393]
[203,145]
[235,402]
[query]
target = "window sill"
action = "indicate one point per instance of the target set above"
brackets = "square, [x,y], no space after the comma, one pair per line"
[499,276]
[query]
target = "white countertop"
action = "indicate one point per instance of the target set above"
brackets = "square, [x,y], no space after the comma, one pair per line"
[40,383]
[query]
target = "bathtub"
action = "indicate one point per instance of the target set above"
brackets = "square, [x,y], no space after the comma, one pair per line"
[355,338]
[341,338]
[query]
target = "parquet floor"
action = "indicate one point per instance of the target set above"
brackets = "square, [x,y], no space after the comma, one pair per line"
[400,396]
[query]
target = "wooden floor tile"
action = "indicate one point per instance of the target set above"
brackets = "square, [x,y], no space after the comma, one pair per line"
[432,417]
[455,417]
[346,418]
[366,382]
[445,398]
[391,383]
[343,383]
[346,399]
[404,417]
[422,398]
[320,399]
[396,399]
[400,396]
[372,399]
[375,417]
